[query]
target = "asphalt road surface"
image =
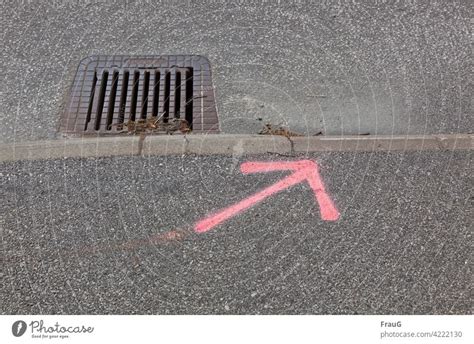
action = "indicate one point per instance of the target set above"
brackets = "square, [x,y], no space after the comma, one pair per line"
[335,67]
[115,235]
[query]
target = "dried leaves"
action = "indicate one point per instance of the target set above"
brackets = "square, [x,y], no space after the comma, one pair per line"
[269,129]
[155,125]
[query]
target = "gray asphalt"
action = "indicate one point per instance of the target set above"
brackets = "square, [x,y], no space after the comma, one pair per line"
[113,235]
[339,68]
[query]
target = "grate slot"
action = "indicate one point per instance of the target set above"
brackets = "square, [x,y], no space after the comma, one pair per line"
[177,95]
[146,84]
[189,97]
[128,99]
[91,100]
[156,94]
[133,101]
[112,96]
[101,98]
[166,107]
[123,98]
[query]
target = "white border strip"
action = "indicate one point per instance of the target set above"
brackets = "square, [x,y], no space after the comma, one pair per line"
[213,329]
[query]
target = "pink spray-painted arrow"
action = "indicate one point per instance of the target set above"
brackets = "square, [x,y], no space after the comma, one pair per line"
[302,170]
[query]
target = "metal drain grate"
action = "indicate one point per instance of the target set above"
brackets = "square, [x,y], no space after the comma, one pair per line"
[110,91]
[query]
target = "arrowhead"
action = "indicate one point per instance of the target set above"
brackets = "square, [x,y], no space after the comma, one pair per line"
[269,166]
[302,170]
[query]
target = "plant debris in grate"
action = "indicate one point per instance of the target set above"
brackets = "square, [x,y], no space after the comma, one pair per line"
[136,94]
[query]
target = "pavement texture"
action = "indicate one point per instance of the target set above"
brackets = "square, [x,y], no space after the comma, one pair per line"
[113,235]
[338,68]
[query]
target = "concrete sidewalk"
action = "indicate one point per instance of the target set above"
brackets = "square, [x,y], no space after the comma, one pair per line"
[339,68]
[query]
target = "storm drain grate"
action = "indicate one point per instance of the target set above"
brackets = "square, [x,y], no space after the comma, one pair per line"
[110,91]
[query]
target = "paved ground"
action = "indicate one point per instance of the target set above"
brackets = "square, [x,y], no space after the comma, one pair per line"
[112,235]
[337,68]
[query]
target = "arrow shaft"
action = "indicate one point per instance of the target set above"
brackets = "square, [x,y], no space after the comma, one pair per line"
[225,214]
